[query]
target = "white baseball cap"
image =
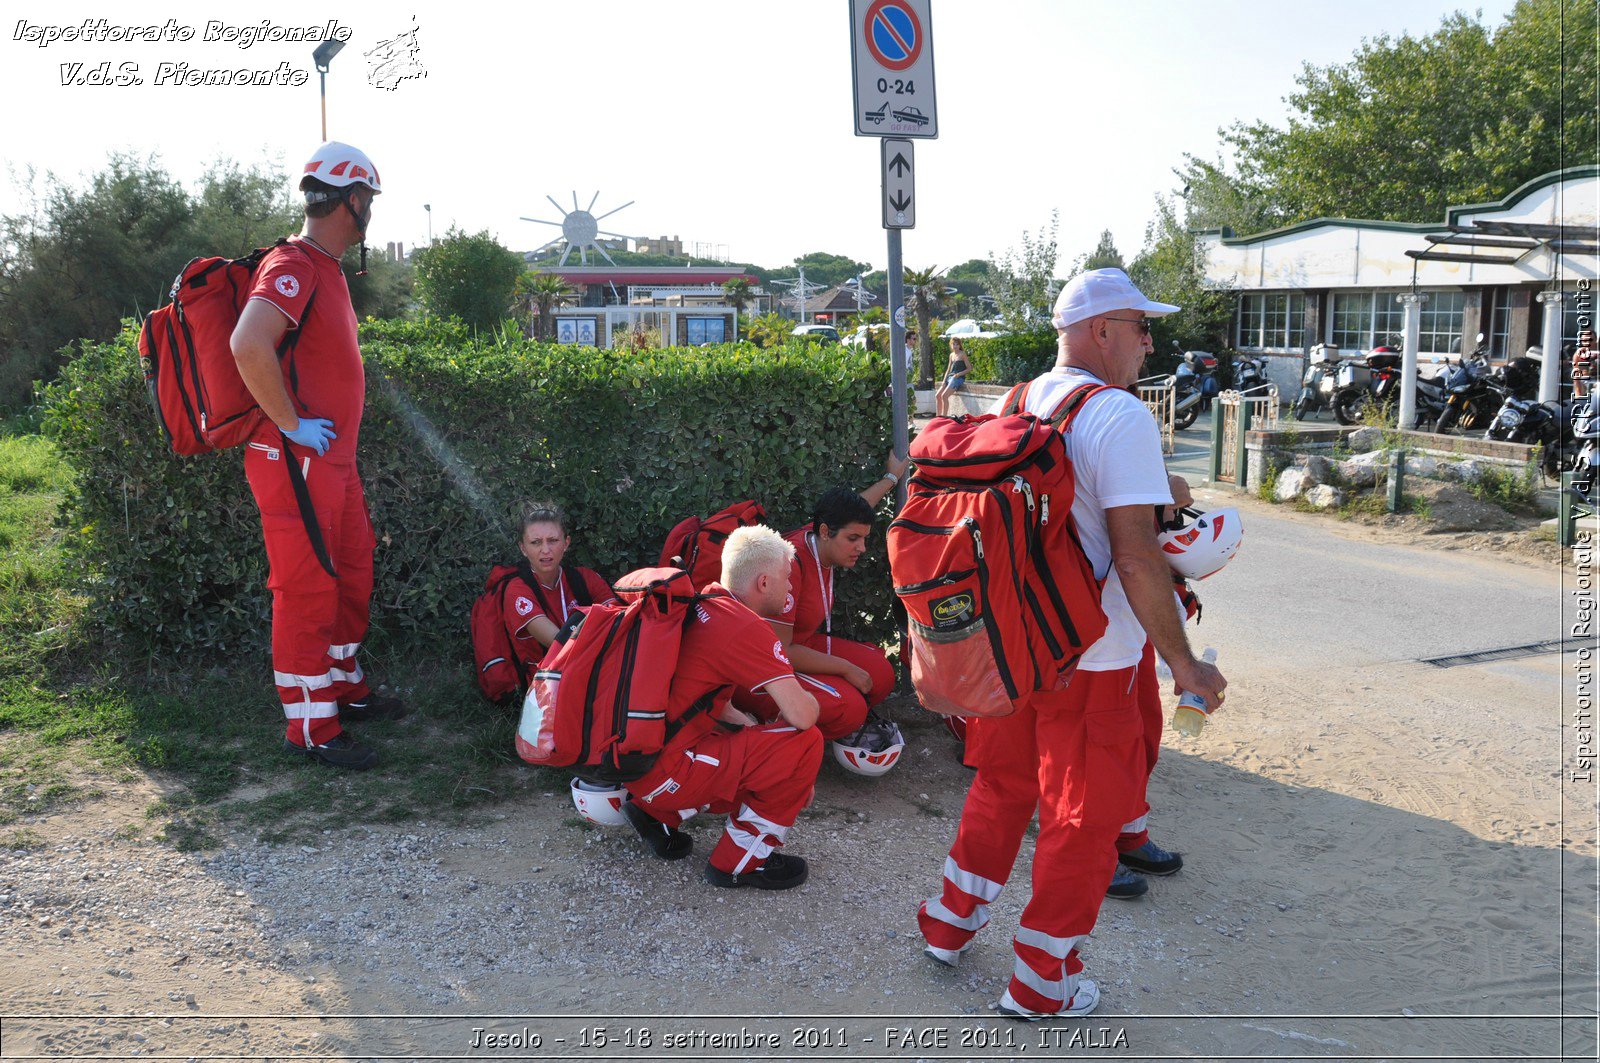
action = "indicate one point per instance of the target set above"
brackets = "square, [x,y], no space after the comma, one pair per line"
[1100,291]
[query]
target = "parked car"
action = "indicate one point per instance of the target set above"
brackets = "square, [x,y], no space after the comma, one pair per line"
[911,115]
[823,333]
[969,329]
[858,338]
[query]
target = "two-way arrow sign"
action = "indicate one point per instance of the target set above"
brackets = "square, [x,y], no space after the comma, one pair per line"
[899,184]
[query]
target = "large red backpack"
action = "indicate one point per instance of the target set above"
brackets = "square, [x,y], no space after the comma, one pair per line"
[695,544]
[598,702]
[184,348]
[986,559]
[501,671]
[200,399]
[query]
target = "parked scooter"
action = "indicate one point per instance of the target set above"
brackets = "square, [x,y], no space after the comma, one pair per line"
[1319,383]
[1249,374]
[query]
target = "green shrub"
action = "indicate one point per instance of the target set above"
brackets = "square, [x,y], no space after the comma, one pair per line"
[457,431]
[1013,358]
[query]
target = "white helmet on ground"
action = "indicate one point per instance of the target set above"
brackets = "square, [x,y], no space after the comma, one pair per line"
[1203,543]
[873,750]
[340,165]
[599,803]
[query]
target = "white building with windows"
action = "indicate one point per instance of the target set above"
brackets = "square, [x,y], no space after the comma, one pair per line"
[1493,268]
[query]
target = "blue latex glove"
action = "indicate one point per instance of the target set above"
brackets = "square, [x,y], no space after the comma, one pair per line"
[313,432]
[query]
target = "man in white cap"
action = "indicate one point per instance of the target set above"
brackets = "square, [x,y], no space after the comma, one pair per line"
[1087,789]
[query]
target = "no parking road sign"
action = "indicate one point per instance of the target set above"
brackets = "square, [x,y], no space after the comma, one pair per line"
[891,48]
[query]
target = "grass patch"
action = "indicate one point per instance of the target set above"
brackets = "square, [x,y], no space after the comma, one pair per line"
[1368,504]
[72,695]
[1507,489]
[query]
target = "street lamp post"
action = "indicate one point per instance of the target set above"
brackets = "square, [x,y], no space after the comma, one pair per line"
[322,57]
[429,208]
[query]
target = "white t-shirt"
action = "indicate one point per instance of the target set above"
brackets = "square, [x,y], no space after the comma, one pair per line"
[1115,449]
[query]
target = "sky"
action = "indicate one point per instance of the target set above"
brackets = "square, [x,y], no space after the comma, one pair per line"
[727,123]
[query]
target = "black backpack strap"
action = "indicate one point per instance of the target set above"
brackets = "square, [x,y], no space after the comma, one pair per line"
[580,586]
[308,511]
[1068,408]
[1016,399]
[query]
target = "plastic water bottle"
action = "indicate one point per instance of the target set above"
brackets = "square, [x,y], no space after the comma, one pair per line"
[1189,718]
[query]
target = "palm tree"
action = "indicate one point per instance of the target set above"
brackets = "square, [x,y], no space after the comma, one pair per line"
[736,291]
[927,291]
[545,292]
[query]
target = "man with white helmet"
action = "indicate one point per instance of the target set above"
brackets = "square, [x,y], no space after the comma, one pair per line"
[1085,789]
[761,774]
[318,534]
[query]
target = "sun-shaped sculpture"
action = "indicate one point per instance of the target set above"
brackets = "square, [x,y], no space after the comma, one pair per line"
[579,228]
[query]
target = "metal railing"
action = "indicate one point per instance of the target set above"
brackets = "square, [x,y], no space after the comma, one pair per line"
[1235,414]
[1160,399]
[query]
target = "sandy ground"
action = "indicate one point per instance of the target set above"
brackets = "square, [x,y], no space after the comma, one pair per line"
[1385,859]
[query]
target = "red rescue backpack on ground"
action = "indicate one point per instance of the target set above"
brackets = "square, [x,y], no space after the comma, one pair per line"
[598,702]
[695,544]
[200,399]
[986,560]
[501,673]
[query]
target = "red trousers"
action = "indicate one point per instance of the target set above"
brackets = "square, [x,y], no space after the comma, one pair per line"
[761,776]
[318,621]
[841,708]
[1078,757]
[1147,688]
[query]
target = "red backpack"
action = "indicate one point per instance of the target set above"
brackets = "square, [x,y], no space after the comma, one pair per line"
[695,544]
[501,672]
[598,702]
[200,400]
[986,560]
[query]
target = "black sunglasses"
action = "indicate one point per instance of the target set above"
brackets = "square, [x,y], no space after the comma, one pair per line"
[1142,322]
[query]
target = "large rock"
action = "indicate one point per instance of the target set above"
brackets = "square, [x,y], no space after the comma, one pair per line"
[1461,472]
[1365,439]
[1422,465]
[1321,470]
[1292,483]
[1357,473]
[1325,497]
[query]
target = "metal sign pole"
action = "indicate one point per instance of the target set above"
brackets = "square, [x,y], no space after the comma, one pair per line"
[897,358]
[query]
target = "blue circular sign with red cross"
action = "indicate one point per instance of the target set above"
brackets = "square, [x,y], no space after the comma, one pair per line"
[894,36]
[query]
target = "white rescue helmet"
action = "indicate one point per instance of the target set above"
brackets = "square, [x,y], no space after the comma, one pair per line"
[599,803]
[340,165]
[873,750]
[1202,543]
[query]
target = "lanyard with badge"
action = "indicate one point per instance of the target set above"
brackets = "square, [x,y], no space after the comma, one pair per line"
[825,586]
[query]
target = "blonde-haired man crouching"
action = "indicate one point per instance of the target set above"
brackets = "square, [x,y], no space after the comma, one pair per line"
[761,775]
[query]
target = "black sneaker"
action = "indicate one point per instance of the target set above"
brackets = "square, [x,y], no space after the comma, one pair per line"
[664,841]
[373,707]
[340,751]
[1151,859]
[780,872]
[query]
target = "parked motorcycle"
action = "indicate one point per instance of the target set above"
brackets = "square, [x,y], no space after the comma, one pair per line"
[1382,389]
[1471,393]
[1586,430]
[1195,385]
[1553,426]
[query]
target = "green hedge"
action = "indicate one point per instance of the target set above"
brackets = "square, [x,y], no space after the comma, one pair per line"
[458,431]
[1013,358]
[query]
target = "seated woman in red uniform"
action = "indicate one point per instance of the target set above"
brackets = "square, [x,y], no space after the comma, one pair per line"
[544,593]
[847,678]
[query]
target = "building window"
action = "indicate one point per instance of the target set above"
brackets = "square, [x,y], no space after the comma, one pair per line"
[1441,323]
[705,330]
[1497,318]
[1364,320]
[1274,321]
